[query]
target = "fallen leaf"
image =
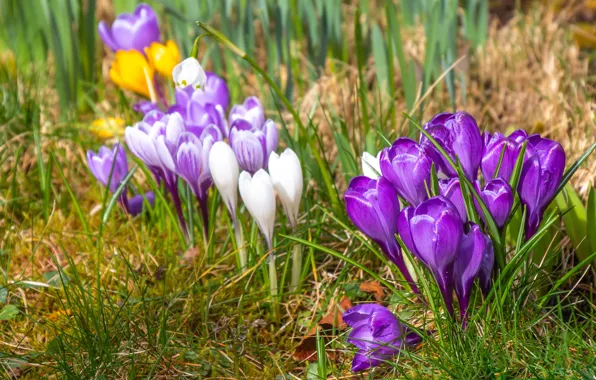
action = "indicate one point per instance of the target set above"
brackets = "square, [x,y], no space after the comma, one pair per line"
[373,287]
[332,321]
[190,255]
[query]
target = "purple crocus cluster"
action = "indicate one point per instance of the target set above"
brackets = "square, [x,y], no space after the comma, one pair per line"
[436,225]
[110,168]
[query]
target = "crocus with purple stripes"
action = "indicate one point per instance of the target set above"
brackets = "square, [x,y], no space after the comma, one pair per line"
[131,31]
[253,145]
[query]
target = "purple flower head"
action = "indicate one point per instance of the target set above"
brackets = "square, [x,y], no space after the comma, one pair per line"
[472,251]
[459,135]
[377,334]
[131,31]
[450,189]
[493,148]
[250,111]
[114,162]
[540,177]
[216,92]
[108,161]
[407,165]
[486,268]
[373,207]
[432,232]
[200,109]
[144,107]
[253,145]
[498,198]
[153,116]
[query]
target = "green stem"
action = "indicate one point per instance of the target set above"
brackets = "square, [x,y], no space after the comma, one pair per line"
[273,287]
[239,236]
[296,267]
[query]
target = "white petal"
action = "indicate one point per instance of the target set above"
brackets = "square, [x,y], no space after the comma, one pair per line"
[286,175]
[224,171]
[259,197]
[370,165]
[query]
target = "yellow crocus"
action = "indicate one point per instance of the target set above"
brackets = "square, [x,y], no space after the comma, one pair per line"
[163,57]
[131,71]
[108,127]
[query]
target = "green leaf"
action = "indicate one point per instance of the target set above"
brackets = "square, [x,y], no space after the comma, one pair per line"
[591,218]
[9,312]
[575,219]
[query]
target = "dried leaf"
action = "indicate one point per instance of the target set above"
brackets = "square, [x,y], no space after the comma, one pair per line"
[307,349]
[375,288]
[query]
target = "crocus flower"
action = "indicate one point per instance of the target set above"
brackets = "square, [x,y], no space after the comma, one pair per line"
[252,146]
[224,170]
[377,334]
[215,91]
[432,232]
[473,248]
[493,148]
[110,167]
[540,177]
[370,165]
[144,107]
[498,198]
[131,31]
[459,135]
[486,268]
[251,111]
[131,71]
[163,57]
[189,73]
[198,113]
[151,141]
[373,207]
[450,189]
[407,165]
[286,174]
[259,197]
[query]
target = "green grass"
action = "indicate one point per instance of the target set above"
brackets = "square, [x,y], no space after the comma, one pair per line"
[96,294]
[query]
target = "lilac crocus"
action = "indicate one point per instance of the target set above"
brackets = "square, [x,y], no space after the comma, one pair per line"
[377,334]
[540,177]
[432,232]
[407,165]
[151,141]
[144,107]
[200,109]
[251,111]
[474,246]
[498,198]
[496,145]
[459,135]
[110,167]
[131,31]
[373,206]
[450,189]
[252,145]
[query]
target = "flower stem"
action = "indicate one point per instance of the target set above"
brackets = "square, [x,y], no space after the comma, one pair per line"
[239,236]
[296,267]
[176,199]
[273,286]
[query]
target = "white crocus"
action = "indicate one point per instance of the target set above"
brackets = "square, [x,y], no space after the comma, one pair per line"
[189,73]
[259,197]
[224,171]
[286,175]
[370,165]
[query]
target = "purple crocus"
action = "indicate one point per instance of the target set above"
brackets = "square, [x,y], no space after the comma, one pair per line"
[540,177]
[251,111]
[151,141]
[377,334]
[131,31]
[450,189]
[496,145]
[474,246]
[373,207]
[144,107]
[110,167]
[498,198]
[407,165]
[252,145]
[459,135]
[202,108]
[432,232]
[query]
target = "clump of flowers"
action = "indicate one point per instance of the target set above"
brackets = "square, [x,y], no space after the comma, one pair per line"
[453,219]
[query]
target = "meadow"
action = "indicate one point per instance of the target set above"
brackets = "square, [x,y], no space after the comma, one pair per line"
[417,196]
